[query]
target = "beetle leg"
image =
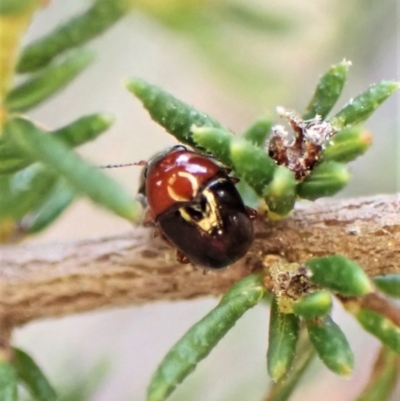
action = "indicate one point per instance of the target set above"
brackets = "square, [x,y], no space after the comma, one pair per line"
[148,218]
[157,232]
[252,213]
[235,180]
[181,257]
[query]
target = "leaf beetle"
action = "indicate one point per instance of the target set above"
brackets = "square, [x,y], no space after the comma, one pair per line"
[194,204]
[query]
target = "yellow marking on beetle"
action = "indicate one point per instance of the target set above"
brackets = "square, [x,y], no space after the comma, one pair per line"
[193,183]
[185,215]
[211,216]
[175,196]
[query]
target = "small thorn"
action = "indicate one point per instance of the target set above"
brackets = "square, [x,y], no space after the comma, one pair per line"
[235,180]
[226,170]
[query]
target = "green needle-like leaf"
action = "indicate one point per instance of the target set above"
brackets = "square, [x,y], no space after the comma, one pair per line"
[347,145]
[313,305]
[84,129]
[85,179]
[46,83]
[359,109]
[252,164]
[218,142]
[58,199]
[389,284]
[259,131]
[326,179]
[331,345]
[77,133]
[174,115]
[283,389]
[280,194]
[380,327]
[328,91]
[214,140]
[32,377]
[196,344]
[73,33]
[383,378]
[11,159]
[13,164]
[8,382]
[282,340]
[339,274]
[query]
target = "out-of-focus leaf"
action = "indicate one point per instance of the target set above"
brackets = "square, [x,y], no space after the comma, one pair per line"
[48,82]
[24,191]
[83,388]
[8,382]
[84,129]
[32,377]
[383,378]
[11,160]
[258,132]
[85,179]
[75,134]
[15,17]
[73,33]
[389,284]
[57,201]
[381,327]
[255,18]
[12,7]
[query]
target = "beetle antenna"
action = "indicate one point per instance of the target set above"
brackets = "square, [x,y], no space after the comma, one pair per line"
[141,163]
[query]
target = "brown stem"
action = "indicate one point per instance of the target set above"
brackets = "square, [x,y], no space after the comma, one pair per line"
[60,279]
[375,302]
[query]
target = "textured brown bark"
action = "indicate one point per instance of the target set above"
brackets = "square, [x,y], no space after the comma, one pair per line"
[60,279]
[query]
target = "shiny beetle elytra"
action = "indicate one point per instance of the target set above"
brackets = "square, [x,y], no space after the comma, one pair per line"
[195,206]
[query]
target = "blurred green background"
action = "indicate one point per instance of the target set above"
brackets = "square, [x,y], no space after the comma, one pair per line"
[234,60]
